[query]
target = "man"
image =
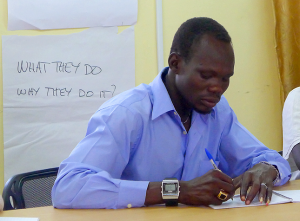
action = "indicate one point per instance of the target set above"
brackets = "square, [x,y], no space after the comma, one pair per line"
[159,132]
[291,131]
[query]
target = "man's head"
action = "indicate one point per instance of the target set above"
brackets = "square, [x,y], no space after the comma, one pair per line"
[201,63]
[191,32]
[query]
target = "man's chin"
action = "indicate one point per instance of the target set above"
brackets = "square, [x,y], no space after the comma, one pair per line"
[207,111]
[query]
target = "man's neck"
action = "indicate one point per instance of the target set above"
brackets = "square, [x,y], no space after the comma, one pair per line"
[178,101]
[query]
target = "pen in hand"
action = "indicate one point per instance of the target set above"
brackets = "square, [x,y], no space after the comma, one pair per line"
[211,159]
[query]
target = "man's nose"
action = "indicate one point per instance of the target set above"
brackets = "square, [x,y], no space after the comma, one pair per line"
[216,88]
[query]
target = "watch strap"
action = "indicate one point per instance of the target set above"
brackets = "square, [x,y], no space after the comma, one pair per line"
[171,202]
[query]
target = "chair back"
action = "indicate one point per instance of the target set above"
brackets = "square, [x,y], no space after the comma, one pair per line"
[28,190]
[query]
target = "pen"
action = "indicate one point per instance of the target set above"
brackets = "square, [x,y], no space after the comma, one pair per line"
[211,159]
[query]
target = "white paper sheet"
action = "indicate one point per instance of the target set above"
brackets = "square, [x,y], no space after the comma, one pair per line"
[59,14]
[293,194]
[63,80]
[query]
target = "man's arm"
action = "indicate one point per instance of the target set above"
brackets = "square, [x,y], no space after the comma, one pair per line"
[241,155]
[296,155]
[85,187]
[91,176]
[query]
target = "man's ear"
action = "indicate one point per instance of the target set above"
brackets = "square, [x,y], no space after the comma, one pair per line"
[174,61]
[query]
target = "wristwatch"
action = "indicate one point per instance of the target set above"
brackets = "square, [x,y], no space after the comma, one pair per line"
[170,191]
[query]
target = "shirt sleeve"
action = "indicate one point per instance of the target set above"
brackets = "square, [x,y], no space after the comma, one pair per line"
[240,151]
[291,122]
[91,176]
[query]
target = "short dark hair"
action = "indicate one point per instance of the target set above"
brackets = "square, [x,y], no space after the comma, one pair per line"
[192,31]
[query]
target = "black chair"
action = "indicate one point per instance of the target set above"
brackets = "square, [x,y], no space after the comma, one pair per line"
[28,190]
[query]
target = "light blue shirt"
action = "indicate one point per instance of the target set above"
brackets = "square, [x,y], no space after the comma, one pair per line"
[137,137]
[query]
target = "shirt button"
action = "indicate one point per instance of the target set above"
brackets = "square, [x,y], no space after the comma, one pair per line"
[129,206]
[184,132]
[175,112]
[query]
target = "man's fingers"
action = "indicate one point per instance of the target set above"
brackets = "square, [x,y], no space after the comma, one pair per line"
[265,193]
[228,188]
[252,193]
[260,178]
[237,181]
[262,192]
[269,194]
[222,176]
[225,182]
[216,201]
[245,183]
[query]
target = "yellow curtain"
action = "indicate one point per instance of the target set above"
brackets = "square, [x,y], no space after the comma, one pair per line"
[287,30]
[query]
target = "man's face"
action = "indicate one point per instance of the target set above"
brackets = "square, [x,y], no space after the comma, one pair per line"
[205,77]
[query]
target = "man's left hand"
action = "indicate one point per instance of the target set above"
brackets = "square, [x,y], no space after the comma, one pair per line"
[260,178]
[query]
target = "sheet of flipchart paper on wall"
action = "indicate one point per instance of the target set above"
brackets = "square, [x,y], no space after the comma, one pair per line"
[51,87]
[61,14]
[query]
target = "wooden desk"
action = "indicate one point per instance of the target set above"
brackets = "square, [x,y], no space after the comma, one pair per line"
[289,211]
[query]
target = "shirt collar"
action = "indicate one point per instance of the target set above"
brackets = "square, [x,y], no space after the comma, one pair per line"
[161,100]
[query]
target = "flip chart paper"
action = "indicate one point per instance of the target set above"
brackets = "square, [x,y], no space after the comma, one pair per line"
[60,14]
[51,87]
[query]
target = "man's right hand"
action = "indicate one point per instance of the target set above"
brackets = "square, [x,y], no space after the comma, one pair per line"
[205,189]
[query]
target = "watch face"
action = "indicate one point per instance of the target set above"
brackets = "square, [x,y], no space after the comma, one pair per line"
[170,188]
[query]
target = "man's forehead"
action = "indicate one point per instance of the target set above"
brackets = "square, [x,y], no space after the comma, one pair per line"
[209,40]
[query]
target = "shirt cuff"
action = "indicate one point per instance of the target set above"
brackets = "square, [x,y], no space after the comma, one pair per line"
[132,193]
[284,173]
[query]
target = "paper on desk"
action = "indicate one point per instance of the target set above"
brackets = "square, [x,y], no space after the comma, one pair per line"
[60,14]
[294,194]
[18,219]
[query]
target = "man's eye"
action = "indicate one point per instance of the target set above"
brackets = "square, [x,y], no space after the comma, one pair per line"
[205,76]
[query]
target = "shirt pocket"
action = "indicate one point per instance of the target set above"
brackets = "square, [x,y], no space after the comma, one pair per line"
[205,166]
